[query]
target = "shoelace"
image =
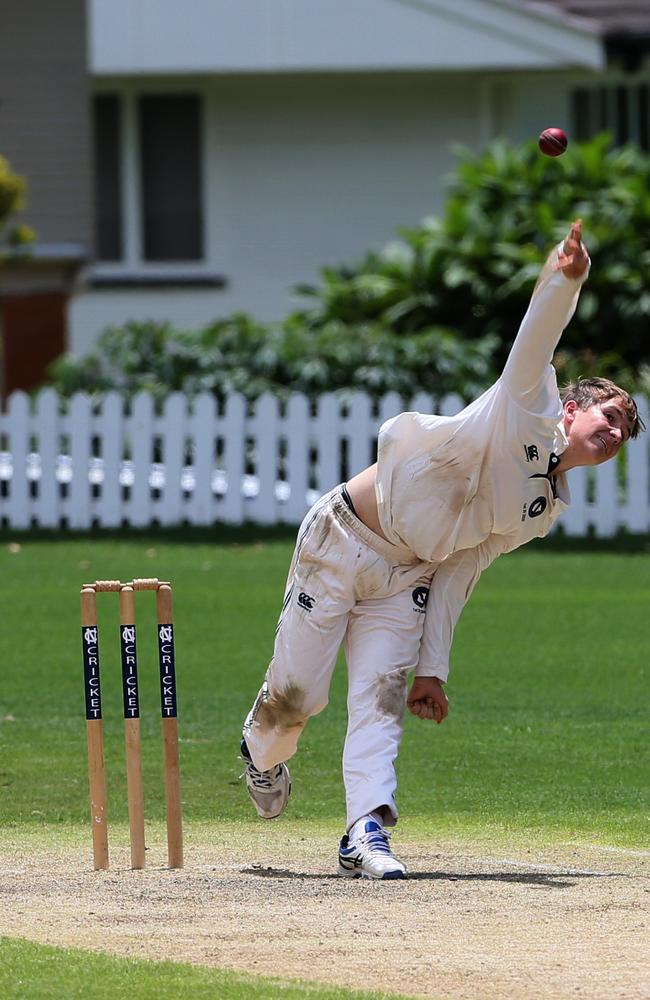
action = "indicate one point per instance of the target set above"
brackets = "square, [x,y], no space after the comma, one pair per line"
[377,841]
[264,780]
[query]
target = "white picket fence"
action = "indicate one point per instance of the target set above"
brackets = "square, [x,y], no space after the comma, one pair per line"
[77,464]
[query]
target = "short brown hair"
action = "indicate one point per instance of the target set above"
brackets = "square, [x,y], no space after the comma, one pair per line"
[588,391]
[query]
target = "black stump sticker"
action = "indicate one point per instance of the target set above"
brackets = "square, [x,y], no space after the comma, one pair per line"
[130,695]
[92,689]
[167,671]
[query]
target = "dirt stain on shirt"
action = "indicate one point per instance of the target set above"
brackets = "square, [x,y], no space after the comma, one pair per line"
[391,693]
[282,709]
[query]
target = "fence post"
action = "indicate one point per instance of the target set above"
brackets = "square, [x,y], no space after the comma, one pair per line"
[79,426]
[606,510]
[46,425]
[202,426]
[110,428]
[231,429]
[360,431]
[18,502]
[328,442]
[296,434]
[141,429]
[173,429]
[263,428]
[637,508]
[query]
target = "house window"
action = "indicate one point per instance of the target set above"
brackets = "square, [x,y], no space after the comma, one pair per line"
[108,178]
[170,178]
[622,110]
[148,183]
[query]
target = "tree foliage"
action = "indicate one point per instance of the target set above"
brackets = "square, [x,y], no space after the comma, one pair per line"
[13,235]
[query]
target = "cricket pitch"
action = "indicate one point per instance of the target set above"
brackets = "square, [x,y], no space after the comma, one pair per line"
[520,924]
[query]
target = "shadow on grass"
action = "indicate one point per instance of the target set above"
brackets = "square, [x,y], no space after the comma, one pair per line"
[548,880]
[249,533]
[217,534]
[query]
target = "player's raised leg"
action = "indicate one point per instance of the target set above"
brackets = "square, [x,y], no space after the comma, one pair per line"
[318,598]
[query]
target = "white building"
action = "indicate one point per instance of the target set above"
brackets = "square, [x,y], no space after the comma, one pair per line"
[241,145]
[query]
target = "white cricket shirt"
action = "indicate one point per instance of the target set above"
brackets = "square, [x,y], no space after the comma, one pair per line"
[459,491]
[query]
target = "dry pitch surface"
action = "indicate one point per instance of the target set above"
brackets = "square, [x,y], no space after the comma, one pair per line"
[472,922]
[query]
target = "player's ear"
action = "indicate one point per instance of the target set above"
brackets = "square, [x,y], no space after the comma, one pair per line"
[570,408]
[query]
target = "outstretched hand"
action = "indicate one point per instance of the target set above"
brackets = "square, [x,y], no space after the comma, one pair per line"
[573,258]
[427,699]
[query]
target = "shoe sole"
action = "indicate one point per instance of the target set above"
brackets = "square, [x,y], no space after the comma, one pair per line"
[356,873]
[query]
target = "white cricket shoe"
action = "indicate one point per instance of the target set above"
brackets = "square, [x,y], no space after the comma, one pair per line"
[269,790]
[369,855]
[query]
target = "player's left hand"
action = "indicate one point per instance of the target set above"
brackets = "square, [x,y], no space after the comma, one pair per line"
[573,259]
[427,699]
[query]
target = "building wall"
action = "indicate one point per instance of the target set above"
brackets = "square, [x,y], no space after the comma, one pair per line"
[526,103]
[44,114]
[615,101]
[223,36]
[301,172]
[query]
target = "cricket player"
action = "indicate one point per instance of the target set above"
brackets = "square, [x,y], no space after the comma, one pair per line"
[385,563]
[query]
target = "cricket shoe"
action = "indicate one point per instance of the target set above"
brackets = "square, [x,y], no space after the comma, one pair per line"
[369,855]
[269,790]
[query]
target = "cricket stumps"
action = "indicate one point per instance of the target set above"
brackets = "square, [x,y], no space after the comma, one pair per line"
[131,705]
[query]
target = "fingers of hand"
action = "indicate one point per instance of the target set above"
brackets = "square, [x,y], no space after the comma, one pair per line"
[563,261]
[428,708]
[419,708]
[573,249]
[572,261]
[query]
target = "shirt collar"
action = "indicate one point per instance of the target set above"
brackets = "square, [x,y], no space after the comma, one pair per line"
[560,439]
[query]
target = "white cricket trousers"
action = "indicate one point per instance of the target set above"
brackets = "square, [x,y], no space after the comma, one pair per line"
[346,585]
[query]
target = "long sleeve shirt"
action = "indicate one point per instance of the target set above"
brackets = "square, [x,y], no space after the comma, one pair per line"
[459,491]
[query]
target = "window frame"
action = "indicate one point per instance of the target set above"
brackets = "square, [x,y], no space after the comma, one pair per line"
[606,98]
[133,264]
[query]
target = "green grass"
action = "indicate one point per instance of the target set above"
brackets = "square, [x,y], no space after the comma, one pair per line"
[549,685]
[40,973]
[546,739]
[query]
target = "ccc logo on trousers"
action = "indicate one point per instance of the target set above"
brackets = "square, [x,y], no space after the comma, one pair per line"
[420,597]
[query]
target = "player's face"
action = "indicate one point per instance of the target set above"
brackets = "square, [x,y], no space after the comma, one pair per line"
[595,435]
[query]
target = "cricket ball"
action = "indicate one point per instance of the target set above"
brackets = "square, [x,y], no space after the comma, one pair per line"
[553,141]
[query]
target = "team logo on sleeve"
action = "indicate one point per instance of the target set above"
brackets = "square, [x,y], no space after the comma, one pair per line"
[420,597]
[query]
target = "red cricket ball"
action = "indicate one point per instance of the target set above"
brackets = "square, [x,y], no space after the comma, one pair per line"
[553,141]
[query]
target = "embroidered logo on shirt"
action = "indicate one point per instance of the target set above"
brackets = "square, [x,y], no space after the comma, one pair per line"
[420,597]
[305,601]
[537,507]
[532,454]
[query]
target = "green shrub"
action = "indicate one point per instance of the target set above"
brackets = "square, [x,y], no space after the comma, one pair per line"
[437,311]
[472,271]
[239,355]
